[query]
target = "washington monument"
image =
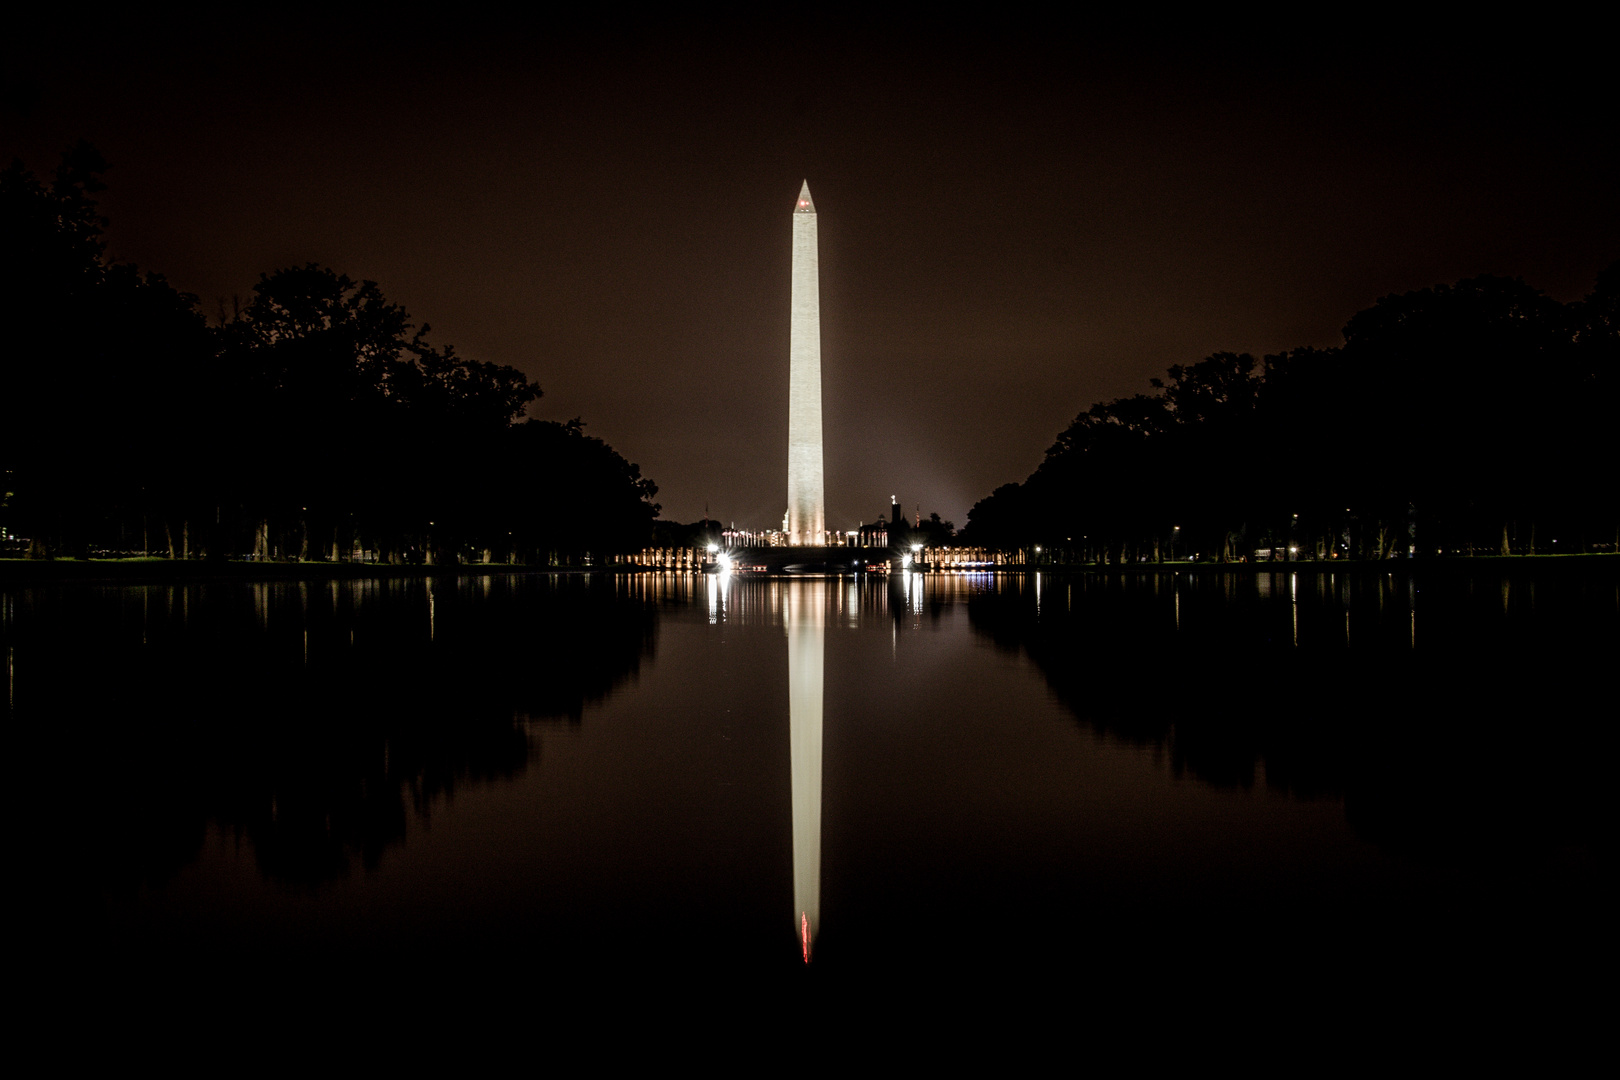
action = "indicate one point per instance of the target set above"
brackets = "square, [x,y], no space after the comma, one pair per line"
[807,503]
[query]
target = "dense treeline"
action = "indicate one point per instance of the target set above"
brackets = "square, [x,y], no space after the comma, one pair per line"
[315,422]
[1475,418]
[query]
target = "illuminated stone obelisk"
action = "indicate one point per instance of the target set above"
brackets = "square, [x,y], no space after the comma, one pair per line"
[807,507]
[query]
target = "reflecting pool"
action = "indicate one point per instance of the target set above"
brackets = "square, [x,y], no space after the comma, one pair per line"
[1173,784]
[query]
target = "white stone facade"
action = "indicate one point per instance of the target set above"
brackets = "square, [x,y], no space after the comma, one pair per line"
[807,504]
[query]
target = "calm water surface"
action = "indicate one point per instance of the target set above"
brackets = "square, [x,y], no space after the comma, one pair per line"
[1310,785]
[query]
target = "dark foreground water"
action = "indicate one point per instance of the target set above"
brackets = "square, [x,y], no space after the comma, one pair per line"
[1218,794]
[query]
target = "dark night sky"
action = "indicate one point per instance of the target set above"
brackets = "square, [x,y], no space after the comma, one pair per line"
[1015,220]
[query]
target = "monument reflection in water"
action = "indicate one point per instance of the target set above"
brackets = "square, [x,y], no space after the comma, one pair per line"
[803,610]
[804,607]
[806,622]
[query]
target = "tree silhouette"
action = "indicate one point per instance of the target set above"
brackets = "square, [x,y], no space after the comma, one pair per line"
[100,372]
[1469,418]
[318,420]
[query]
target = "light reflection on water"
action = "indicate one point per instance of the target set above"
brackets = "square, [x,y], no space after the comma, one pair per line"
[985,761]
[805,622]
